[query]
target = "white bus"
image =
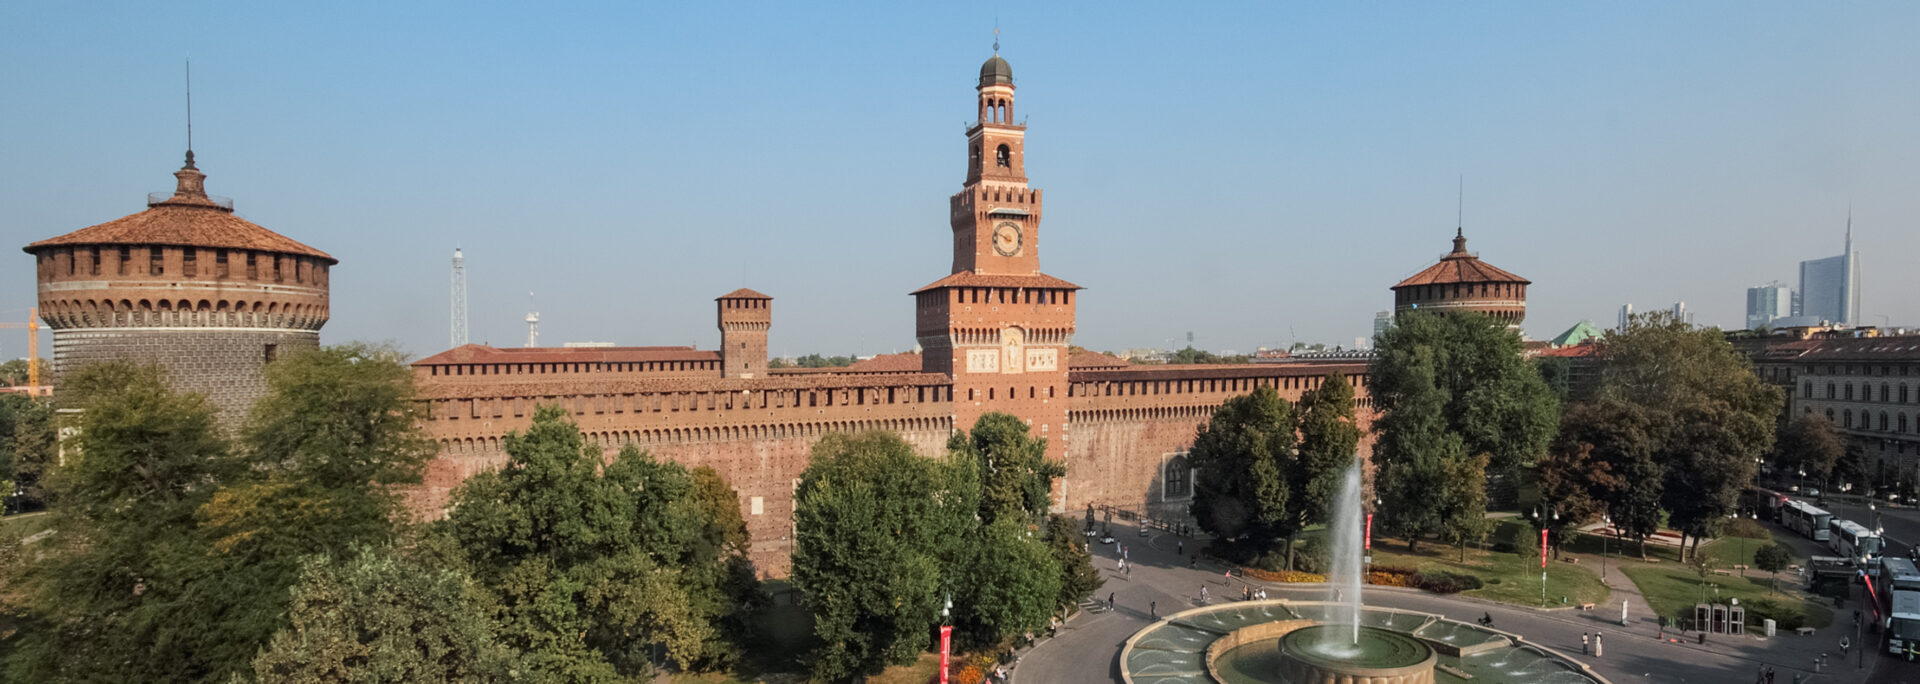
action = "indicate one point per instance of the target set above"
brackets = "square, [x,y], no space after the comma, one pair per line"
[1898,602]
[1852,540]
[1802,517]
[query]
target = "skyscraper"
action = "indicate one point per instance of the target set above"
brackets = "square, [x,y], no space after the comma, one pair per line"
[1767,303]
[1830,287]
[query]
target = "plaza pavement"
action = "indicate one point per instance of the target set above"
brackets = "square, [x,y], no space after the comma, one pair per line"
[1087,649]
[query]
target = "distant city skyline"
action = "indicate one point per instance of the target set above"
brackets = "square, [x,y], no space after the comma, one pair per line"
[1284,167]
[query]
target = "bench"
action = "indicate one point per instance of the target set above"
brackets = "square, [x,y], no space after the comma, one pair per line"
[1718,571]
[1586,606]
[1804,631]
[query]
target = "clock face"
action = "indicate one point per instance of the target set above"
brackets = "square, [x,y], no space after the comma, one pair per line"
[1007,238]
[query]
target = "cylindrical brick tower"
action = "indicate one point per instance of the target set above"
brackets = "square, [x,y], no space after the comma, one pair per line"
[1462,282]
[187,285]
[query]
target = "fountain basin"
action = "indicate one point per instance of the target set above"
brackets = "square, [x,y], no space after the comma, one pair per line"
[1379,657]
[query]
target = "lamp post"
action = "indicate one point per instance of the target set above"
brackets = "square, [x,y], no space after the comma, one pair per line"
[1606,525]
[1541,514]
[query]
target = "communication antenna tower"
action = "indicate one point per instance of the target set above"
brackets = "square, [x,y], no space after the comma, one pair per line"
[459,298]
[533,325]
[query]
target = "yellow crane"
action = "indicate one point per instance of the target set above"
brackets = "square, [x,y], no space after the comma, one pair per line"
[33,348]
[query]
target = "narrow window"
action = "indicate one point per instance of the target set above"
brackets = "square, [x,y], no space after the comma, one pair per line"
[154,265]
[272,351]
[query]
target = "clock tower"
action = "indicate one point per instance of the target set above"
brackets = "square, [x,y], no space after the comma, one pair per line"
[998,325]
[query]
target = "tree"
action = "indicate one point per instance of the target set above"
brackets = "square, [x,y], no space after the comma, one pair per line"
[1489,395]
[1409,455]
[1811,443]
[14,373]
[874,522]
[1078,578]
[1711,416]
[379,615]
[1463,499]
[1573,479]
[594,568]
[1016,479]
[1771,559]
[28,446]
[1625,473]
[1247,470]
[1010,586]
[118,585]
[1329,445]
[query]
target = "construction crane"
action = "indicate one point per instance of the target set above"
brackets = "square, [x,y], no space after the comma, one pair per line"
[33,348]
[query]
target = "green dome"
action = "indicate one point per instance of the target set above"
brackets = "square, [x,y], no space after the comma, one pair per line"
[996,71]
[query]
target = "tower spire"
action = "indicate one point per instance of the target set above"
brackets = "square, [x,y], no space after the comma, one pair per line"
[996,36]
[189,112]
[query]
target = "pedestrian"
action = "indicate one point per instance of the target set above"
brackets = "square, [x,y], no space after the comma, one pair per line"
[1123,552]
[1153,608]
[1583,644]
[1123,564]
[1109,600]
[1769,674]
[1596,644]
[1203,593]
[1129,573]
[1844,645]
[1246,593]
[1180,548]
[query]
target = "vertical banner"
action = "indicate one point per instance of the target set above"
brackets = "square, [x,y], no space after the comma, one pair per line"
[946,647]
[1369,536]
[1543,549]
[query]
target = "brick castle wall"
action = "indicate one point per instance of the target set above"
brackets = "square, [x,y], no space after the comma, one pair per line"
[224,364]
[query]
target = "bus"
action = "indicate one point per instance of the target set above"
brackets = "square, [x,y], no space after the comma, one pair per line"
[1852,540]
[1897,601]
[1802,517]
[1766,504]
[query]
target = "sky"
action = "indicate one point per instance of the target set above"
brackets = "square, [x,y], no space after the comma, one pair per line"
[1254,174]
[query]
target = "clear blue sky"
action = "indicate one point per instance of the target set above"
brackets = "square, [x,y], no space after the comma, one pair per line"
[1255,173]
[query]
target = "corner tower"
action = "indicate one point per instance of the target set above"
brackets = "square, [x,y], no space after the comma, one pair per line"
[745,317]
[187,285]
[1462,282]
[996,324]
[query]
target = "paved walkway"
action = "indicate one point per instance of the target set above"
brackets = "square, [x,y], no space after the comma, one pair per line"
[1165,580]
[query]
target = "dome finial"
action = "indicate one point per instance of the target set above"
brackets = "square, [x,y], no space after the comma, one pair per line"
[1459,241]
[996,37]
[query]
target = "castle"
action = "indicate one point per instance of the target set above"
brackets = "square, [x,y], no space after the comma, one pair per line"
[995,330]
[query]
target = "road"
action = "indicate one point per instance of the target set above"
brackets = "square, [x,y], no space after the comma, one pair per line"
[1163,581]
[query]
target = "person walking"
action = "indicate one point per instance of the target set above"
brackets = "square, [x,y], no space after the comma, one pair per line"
[1596,644]
[1180,548]
[1203,593]
[1153,609]
[1110,600]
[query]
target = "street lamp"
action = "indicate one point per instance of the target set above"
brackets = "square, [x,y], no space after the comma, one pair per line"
[1606,525]
[1541,514]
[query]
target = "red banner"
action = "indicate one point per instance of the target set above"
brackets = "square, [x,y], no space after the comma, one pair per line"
[1369,545]
[1543,549]
[946,646]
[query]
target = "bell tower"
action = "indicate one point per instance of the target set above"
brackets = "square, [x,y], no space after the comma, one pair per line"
[1007,240]
[997,325]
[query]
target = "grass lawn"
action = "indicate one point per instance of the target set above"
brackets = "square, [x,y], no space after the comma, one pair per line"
[1672,590]
[1509,577]
[25,525]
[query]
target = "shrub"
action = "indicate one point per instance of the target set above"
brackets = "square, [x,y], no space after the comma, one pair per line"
[971,674]
[1310,556]
[1746,527]
[1785,617]
[1391,576]
[1442,582]
[1282,575]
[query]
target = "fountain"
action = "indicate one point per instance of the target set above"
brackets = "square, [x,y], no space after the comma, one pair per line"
[1337,639]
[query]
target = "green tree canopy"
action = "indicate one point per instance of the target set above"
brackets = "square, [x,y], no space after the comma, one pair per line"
[1710,417]
[379,615]
[1016,479]
[1329,445]
[594,568]
[119,583]
[1488,393]
[1247,470]
[28,444]
[877,525]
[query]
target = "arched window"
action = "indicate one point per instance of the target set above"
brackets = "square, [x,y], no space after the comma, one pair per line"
[1829,415]
[1003,157]
[1178,483]
[1903,422]
[1830,391]
[1846,419]
[1849,391]
[1883,421]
